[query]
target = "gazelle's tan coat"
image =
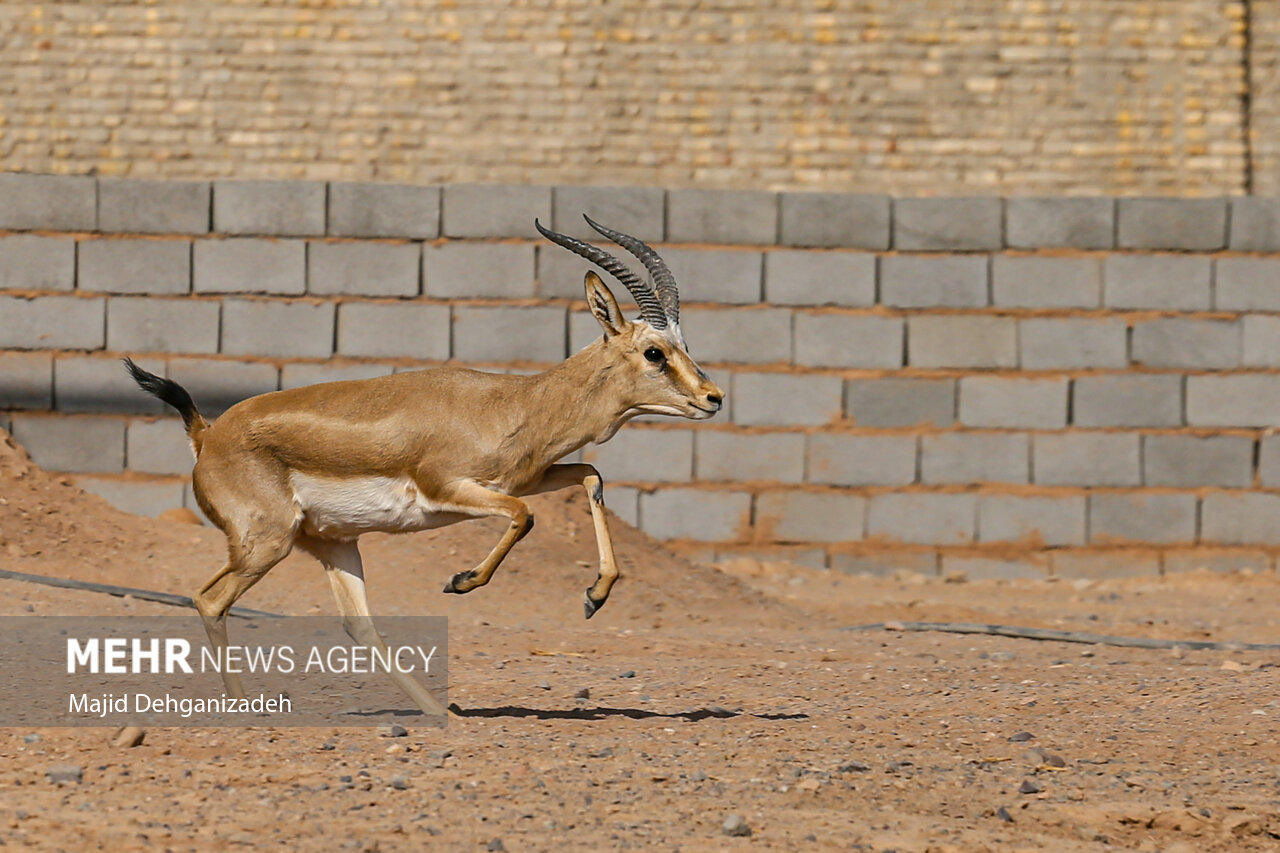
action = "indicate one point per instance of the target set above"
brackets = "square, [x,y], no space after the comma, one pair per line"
[316,467]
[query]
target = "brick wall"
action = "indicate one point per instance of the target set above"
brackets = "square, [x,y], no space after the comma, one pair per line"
[912,97]
[1004,386]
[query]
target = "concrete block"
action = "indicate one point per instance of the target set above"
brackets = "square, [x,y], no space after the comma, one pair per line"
[896,402]
[1060,223]
[708,275]
[1192,224]
[1190,461]
[1086,459]
[1240,518]
[922,518]
[1135,400]
[48,202]
[584,330]
[277,329]
[158,447]
[1246,284]
[644,456]
[994,568]
[975,457]
[1186,342]
[1269,461]
[730,456]
[298,374]
[89,445]
[954,340]
[52,322]
[948,224]
[246,265]
[830,220]
[87,384]
[1233,400]
[1162,282]
[813,558]
[1001,401]
[135,266]
[140,324]
[1105,564]
[725,336]
[140,497]
[494,210]
[1034,521]
[359,209]
[1036,282]
[886,562]
[502,334]
[130,206]
[269,208]
[32,262]
[470,270]
[26,380]
[722,216]
[792,516]
[1261,340]
[1162,518]
[1216,560]
[779,399]
[700,514]
[1070,343]
[364,269]
[624,502]
[837,459]
[561,274]
[800,277]
[848,340]
[394,330]
[1255,224]
[216,385]
[638,211]
[949,281]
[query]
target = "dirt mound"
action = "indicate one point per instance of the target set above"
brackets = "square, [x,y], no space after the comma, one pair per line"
[49,526]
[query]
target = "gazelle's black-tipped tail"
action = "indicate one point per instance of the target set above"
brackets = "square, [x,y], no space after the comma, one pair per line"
[175,395]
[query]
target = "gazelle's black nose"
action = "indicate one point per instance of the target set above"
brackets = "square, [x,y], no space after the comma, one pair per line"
[715,400]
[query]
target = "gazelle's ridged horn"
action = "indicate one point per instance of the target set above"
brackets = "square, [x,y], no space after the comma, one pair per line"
[664,282]
[650,308]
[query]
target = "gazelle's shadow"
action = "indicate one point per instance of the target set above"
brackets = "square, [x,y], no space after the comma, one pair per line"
[605,713]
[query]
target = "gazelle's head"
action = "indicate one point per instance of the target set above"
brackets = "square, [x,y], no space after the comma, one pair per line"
[649,354]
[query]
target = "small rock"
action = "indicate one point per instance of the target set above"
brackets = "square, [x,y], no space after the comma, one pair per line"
[853,767]
[1232,666]
[1029,786]
[400,783]
[129,737]
[582,693]
[1020,737]
[735,827]
[31,738]
[607,752]
[541,685]
[393,730]
[1004,815]
[1002,656]
[809,784]
[697,776]
[496,846]
[65,773]
[631,673]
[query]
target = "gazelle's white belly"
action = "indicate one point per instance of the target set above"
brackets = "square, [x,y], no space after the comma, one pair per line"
[335,507]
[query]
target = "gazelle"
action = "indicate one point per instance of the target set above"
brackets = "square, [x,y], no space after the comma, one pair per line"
[315,467]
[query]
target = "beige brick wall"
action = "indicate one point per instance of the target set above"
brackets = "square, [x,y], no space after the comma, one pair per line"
[903,96]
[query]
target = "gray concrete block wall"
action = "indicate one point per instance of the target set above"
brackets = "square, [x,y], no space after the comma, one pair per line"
[987,385]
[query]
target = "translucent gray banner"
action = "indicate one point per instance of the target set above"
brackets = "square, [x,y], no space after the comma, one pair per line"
[295,671]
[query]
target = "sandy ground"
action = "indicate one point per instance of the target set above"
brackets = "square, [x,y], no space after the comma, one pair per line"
[712,692]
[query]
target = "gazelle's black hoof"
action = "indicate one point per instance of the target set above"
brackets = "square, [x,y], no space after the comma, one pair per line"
[457,580]
[590,605]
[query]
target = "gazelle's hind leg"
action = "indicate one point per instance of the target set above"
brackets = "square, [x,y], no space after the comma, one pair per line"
[342,565]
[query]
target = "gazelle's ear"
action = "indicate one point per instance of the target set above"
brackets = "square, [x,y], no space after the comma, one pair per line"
[603,305]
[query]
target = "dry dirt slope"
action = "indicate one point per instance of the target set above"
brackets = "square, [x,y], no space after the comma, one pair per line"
[710,694]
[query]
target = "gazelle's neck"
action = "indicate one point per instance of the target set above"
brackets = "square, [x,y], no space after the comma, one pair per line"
[588,404]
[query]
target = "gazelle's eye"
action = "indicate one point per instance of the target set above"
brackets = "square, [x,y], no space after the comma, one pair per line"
[654,354]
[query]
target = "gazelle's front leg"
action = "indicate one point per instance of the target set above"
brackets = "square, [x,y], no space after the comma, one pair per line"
[474,499]
[559,476]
